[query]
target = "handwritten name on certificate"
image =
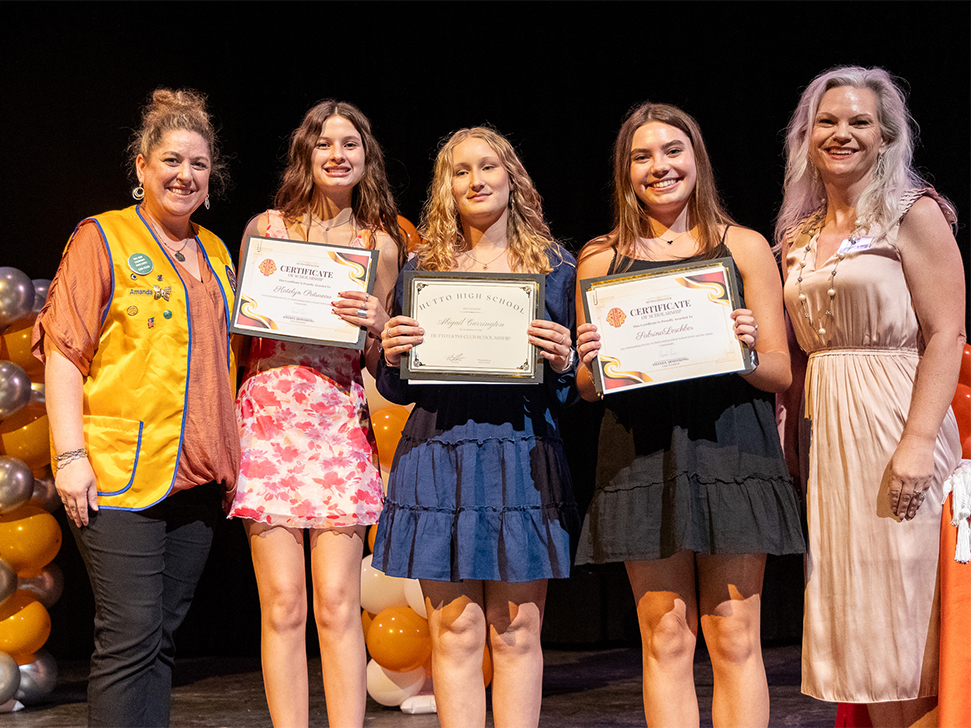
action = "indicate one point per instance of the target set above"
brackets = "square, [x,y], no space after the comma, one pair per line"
[286,288]
[475,326]
[664,325]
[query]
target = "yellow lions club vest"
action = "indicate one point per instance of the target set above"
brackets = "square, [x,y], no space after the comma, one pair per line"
[135,393]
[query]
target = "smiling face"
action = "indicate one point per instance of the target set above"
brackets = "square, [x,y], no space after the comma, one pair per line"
[480,184]
[175,176]
[338,157]
[846,137]
[662,168]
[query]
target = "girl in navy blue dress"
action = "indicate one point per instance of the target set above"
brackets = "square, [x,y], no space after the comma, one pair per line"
[480,507]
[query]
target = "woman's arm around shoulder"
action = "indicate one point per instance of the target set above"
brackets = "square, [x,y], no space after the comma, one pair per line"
[593,262]
[761,325]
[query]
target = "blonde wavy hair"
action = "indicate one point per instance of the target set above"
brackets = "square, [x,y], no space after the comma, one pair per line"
[883,200]
[631,217]
[527,234]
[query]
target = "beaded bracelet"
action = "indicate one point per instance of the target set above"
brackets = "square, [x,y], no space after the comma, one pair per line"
[70,456]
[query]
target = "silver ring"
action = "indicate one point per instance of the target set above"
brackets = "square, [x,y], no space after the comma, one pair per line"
[362,313]
[756,327]
[919,496]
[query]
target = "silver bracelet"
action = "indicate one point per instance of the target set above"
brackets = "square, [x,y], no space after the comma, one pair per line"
[569,362]
[69,457]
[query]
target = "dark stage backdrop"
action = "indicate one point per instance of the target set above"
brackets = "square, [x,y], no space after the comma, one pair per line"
[556,78]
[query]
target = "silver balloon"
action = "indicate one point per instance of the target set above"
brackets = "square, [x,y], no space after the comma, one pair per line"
[37,678]
[16,483]
[16,295]
[14,388]
[41,288]
[9,677]
[45,494]
[48,585]
[38,393]
[8,581]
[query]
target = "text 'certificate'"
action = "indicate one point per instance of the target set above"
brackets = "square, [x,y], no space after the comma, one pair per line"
[665,324]
[286,288]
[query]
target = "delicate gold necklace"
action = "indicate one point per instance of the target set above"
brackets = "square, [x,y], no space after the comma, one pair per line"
[671,241]
[327,228]
[485,266]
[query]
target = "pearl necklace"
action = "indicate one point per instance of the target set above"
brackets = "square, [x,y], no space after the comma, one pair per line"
[831,291]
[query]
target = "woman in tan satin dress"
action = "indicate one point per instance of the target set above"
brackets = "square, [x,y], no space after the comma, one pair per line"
[884,338]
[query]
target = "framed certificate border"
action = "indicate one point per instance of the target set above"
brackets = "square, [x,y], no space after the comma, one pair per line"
[467,308]
[667,322]
[305,277]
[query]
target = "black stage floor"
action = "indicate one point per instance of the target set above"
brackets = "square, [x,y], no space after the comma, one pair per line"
[582,689]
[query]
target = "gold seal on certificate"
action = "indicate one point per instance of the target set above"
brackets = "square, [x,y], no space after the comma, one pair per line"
[475,327]
[286,288]
[665,325]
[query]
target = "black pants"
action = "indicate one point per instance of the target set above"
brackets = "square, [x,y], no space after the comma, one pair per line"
[144,567]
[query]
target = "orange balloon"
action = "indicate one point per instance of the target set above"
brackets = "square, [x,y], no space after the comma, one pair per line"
[25,624]
[372,532]
[410,233]
[24,436]
[366,619]
[965,375]
[29,539]
[486,667]
[961,404]
[15,346]
[398,639]
[387,423]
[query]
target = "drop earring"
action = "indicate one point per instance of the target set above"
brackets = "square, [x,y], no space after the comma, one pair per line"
[206,203]
[138,193]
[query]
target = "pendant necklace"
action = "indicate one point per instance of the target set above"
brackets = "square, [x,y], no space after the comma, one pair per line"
[176,253]
[671,241]
[327,228]
[485,266]
[827,315]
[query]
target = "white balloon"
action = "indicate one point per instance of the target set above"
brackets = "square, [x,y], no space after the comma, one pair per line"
[379,591]
[392,688]
[416,600]
[10,677]
[37,678]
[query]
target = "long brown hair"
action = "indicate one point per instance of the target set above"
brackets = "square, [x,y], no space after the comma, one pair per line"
[371,200]
[705,209]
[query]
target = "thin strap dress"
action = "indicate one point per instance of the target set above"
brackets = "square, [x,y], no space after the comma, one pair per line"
[871,624]
[693,465]
[480,487]
[309,458]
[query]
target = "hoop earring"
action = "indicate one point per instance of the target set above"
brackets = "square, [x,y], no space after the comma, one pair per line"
[138,193]
[206,203]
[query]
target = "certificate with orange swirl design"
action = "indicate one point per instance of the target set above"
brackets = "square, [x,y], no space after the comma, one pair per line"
[286,288]
[665,325]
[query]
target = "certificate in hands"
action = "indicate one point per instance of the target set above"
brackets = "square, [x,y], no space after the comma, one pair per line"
[665,325]
[475,327]
[286,288]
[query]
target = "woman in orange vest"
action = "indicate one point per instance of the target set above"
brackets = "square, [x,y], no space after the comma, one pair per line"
[140,381]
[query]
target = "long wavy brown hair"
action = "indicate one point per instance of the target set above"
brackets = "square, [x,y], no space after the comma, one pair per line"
[631,217]
[372,203]
[527,234]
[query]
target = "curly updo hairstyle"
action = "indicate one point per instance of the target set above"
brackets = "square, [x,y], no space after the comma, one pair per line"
[184,109]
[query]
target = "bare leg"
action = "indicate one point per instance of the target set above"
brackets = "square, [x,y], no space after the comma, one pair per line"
[279,565]
[457,623]
[514,613]
[919,713]
[335,562]
[729,600]
[667,612]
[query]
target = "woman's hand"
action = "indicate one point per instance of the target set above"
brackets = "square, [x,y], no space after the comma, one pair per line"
[360,309]
[588,343]
[78,488]
[911,472]
[746,328]
[554,342]
[400,334]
